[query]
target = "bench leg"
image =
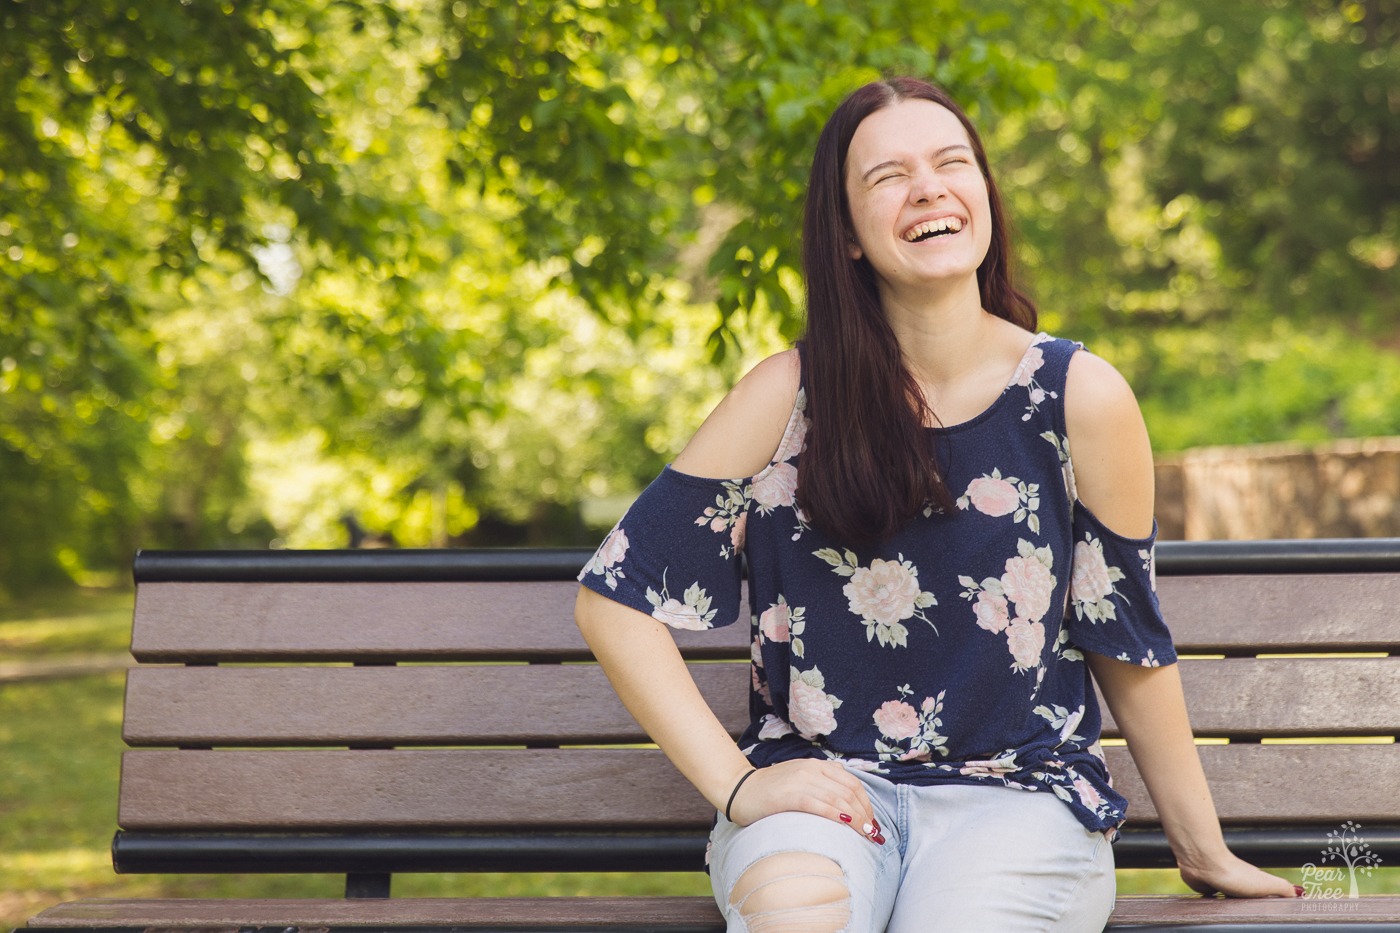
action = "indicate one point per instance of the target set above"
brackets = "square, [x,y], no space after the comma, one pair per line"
[367,885]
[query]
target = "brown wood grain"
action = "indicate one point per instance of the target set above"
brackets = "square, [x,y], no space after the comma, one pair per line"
[518,620]
[638,788]
[1275,612]
[1177,911]
[497,704]
[501,704]
[463,913]
[467,913]
[376,621]
[1288,697]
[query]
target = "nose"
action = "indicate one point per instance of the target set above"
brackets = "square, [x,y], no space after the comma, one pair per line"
[926,187]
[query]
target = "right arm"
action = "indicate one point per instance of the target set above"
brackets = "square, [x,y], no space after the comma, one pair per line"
[647,670]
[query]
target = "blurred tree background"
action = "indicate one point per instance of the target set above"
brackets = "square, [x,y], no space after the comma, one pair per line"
[470,271]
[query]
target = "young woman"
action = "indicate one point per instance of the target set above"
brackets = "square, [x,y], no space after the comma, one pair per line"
[948,526]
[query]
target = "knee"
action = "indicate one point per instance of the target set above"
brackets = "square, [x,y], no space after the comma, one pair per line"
[793,891]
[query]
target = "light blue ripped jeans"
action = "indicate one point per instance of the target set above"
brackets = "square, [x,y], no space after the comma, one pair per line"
[957,859]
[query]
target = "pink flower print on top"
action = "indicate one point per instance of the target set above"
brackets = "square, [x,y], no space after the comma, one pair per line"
[728,515]
[677,614]
[1026,641]
[796,439]
[692,612]
[1025,377]
[1091,581]
[1029,584]
[897,720]
[1030,365]
[992,767]
[757,676]
[900,723]
[781,622]
[991,610]
[883,592]
[777,487]
[773,727]
[773,623]
[883,595]
[1088,794]
[993,496]
[810,708]
[1028,581]
[608,556]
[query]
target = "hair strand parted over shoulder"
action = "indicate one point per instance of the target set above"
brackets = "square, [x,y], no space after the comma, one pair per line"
[868,466]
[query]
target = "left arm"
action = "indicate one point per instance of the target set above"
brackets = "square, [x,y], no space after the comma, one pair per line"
[1113,473]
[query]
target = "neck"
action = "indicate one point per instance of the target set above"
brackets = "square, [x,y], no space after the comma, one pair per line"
[942,333]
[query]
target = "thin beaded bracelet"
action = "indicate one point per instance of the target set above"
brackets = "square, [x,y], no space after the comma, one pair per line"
[735,792]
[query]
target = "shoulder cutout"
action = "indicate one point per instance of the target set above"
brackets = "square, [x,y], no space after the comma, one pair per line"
[742,434]
[1108,445]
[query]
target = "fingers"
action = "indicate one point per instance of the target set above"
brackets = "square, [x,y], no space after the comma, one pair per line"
[853,803]
[822,788]
[1237,878]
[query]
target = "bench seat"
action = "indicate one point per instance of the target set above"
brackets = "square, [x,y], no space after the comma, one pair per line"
[668,914]
[373,713]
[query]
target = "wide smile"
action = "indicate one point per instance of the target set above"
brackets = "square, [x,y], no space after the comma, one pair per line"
[932,229]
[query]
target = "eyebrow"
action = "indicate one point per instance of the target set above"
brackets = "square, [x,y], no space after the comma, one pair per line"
[895,162]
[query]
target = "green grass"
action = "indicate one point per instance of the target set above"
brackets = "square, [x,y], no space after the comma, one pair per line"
[65,622]
[60,749]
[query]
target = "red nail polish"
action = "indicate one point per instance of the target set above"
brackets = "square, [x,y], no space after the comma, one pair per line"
[1298,891]
[878,839]
[845,817]
[876,823]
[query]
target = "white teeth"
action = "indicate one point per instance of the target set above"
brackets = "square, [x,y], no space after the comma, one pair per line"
[949,224]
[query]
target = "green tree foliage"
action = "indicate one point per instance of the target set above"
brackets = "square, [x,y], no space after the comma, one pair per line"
[1215,199]
[453,266]
[137,139]
[624,130]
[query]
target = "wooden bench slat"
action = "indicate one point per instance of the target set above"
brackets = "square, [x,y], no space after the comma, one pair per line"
[634,788]
[430,705]
[463,621]
[463,913]
[474,621]
[1175,912]
[482,704]
[1268,613]
[699,913]
[1288,697]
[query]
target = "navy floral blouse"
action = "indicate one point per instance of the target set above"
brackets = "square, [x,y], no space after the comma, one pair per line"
[952,651]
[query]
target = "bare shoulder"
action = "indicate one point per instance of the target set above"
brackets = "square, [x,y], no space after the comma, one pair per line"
[741,435]
[1094,389]
[1108,443]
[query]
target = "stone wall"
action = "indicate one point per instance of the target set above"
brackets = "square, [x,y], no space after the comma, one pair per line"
[1344,489]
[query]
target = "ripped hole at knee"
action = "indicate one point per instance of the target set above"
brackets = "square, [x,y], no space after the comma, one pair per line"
[791,892]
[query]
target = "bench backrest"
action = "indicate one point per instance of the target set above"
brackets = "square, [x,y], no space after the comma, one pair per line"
[448,692]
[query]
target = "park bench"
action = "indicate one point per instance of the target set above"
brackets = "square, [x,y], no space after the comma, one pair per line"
[377,712]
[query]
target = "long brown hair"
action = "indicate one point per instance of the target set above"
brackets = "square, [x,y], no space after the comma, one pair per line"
[868,466]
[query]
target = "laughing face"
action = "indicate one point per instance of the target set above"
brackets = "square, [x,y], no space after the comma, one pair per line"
[918,200]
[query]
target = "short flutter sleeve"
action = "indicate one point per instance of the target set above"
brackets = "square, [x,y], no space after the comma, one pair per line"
[675,555]
[1113,608]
